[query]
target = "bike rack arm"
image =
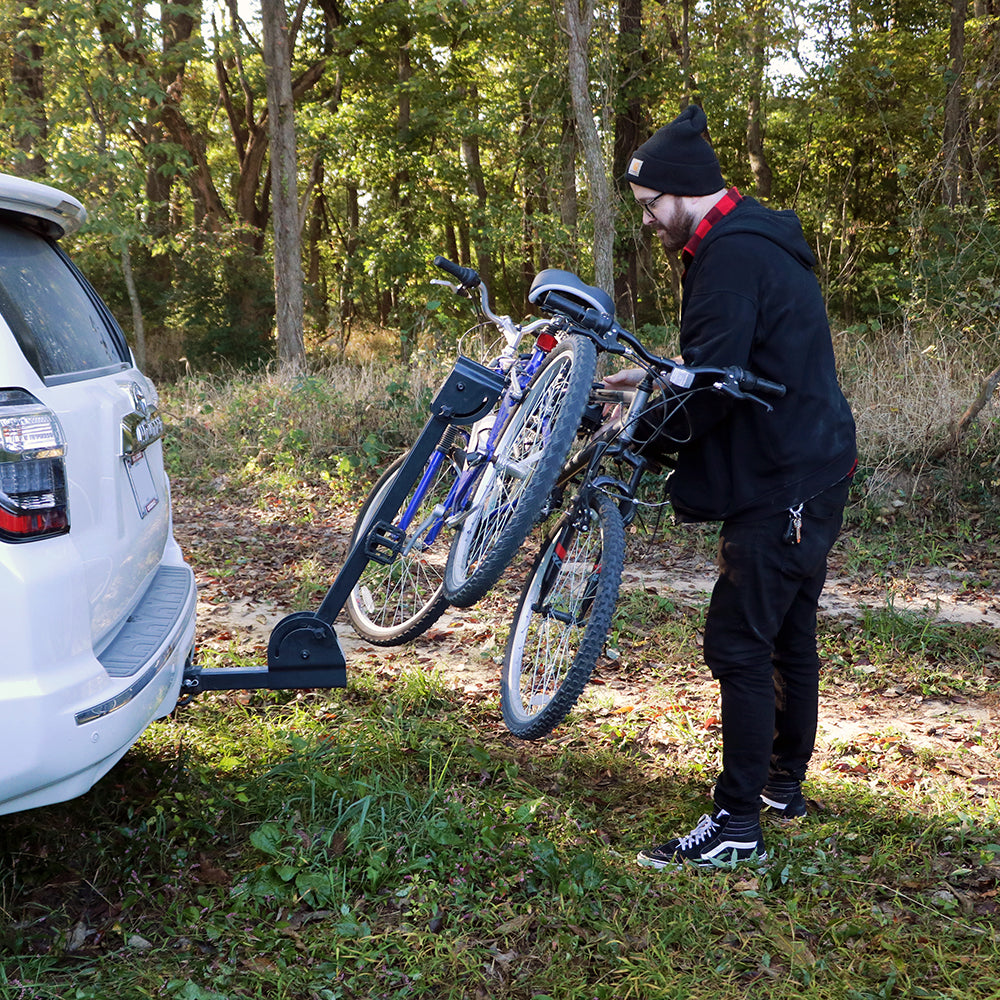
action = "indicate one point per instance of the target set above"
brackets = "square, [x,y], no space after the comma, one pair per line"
[303,650]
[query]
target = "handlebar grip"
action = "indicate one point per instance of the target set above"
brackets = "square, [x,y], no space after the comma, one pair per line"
[555,302]
[467,278]
[761,386]
[589,319]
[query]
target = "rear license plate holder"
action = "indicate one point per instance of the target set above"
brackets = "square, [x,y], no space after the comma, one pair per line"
[140,478]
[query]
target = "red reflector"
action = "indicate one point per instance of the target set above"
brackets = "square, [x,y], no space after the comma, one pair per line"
[545,342]
[49,522]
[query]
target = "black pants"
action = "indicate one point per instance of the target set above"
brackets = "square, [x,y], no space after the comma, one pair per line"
[760,644]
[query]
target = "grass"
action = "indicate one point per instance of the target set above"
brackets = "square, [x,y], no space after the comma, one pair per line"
[906,387]
[391,840]
[380,842]
[265,430]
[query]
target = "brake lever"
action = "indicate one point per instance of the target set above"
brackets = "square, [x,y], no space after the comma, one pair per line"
[730,388]
[459,290]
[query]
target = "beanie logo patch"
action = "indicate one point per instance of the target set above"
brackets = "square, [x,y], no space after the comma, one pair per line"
[635,166]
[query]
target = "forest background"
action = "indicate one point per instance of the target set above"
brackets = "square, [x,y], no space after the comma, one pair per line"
[496,133]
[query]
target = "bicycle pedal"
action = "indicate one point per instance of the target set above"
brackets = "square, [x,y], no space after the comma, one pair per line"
[384,543]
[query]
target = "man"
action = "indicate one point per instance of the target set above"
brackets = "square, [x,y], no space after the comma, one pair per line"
[777,481]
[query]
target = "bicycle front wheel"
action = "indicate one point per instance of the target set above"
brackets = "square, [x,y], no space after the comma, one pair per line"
[563,618]
[392,604]
[514,486]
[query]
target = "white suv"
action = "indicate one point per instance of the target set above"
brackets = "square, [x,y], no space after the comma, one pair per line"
[97,606]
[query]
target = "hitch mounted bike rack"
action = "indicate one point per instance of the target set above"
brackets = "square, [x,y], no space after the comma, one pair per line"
[303,650]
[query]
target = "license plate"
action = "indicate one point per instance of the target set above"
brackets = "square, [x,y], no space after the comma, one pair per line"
[140,478]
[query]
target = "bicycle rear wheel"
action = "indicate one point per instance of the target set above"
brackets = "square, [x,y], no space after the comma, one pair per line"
[514,486]
[394,603]
[562,618]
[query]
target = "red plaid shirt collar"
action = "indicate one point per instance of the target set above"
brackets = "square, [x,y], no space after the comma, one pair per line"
[718,211]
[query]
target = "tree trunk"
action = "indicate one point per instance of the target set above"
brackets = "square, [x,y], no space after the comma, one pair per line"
[568,203]
[477,185]
[404,73]
[755,111]
[528,266]
[348,307]
[685,44]
[628,137]
[284,190]
[953,145]
[316,233]
[138,325]
[982,112]
[249,129]
[579,23]
[27,94]
[177,21]
[958,429]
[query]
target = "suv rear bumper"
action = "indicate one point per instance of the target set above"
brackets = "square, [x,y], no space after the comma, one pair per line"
[62,730]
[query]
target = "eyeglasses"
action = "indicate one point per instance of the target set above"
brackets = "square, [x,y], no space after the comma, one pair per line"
[647,206]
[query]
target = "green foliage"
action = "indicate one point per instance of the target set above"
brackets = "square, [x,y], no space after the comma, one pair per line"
[272,429]
[954,277]
[390,840]
[344,845]
[223,301]
[445,127]
[909,652]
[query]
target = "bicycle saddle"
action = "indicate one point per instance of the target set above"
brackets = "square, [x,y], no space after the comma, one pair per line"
[552,279]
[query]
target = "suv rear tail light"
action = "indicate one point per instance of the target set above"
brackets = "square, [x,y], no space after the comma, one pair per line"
[33,501]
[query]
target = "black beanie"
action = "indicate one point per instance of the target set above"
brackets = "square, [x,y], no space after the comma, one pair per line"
[678,159]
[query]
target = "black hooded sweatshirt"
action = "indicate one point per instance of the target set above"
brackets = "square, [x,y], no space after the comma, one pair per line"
[751,299]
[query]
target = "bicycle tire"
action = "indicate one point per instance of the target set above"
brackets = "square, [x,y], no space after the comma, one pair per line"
[392,604]
[552,649]
[513,488]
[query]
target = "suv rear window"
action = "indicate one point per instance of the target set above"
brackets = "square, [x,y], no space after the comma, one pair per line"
[62,327]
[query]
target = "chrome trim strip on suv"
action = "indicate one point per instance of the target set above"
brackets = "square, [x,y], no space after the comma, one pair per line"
[121,699]
[82,376]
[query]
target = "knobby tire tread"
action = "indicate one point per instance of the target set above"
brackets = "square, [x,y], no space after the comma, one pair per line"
[463,590]
[612,561]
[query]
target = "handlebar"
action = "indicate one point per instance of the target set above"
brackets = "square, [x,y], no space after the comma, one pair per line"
[750,383]
[590,319]
[614,338]
[469,280]
[465,276]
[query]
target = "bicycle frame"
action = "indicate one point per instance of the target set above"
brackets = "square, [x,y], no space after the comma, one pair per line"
[518,376]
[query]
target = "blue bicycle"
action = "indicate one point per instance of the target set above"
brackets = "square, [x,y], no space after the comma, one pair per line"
[483,487]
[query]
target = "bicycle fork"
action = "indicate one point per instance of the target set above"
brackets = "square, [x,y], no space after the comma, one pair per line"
[561,546]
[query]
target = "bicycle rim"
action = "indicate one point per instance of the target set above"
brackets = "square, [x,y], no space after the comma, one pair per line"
[394,603]
[528,455]
[562,619]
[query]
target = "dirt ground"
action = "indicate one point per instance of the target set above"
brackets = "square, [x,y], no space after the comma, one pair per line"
[876,734]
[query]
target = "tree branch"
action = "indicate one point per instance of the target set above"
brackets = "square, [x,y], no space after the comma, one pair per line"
[961,426]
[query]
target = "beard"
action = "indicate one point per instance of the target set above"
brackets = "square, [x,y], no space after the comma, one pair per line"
[674,231]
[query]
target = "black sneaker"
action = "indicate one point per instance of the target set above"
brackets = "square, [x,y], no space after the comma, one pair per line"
[784,798]
[718,841]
